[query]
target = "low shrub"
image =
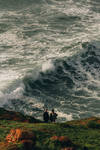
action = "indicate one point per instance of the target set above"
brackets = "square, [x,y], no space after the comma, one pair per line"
[93,124]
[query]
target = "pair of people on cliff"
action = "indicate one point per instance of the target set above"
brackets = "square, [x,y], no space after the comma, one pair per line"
[52,117]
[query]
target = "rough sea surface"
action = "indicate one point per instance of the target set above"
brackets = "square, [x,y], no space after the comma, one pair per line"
[50,57]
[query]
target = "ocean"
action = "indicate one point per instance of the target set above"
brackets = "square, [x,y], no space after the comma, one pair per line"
[50,57]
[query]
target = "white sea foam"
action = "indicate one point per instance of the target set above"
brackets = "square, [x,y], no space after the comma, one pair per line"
[38,105]
[15,94]
[68,117]
[48,66]
[72,8]
[7,77]
[10,38]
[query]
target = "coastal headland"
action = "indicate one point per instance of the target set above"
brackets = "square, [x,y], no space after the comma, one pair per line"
[19,132]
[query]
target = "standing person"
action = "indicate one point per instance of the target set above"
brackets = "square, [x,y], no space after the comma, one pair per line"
[46,116]
[53,116]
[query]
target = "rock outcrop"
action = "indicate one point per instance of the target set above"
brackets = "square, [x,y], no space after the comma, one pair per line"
[16,116]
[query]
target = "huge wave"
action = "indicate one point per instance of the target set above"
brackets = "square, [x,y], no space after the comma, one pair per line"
[71,85]
[62,76]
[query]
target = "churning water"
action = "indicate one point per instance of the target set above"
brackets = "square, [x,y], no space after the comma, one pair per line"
[50,57]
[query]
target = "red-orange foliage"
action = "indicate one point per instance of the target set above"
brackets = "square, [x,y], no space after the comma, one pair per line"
[17,135]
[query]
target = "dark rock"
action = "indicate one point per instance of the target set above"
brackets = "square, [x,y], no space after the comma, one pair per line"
[16,116]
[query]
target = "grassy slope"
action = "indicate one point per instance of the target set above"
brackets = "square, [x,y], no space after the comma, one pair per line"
[84,132]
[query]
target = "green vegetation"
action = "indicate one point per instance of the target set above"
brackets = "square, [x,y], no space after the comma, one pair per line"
[93,124]
[82,133]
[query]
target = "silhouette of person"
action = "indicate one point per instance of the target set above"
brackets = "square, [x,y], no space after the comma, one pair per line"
[53,116]
[46,116]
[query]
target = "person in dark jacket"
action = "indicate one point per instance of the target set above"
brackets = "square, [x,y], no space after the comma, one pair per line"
[46,116]
[53,116]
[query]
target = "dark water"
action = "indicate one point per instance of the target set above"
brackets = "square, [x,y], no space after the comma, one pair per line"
[50,57]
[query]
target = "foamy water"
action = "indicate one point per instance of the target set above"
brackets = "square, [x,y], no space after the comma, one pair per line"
[50,57]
